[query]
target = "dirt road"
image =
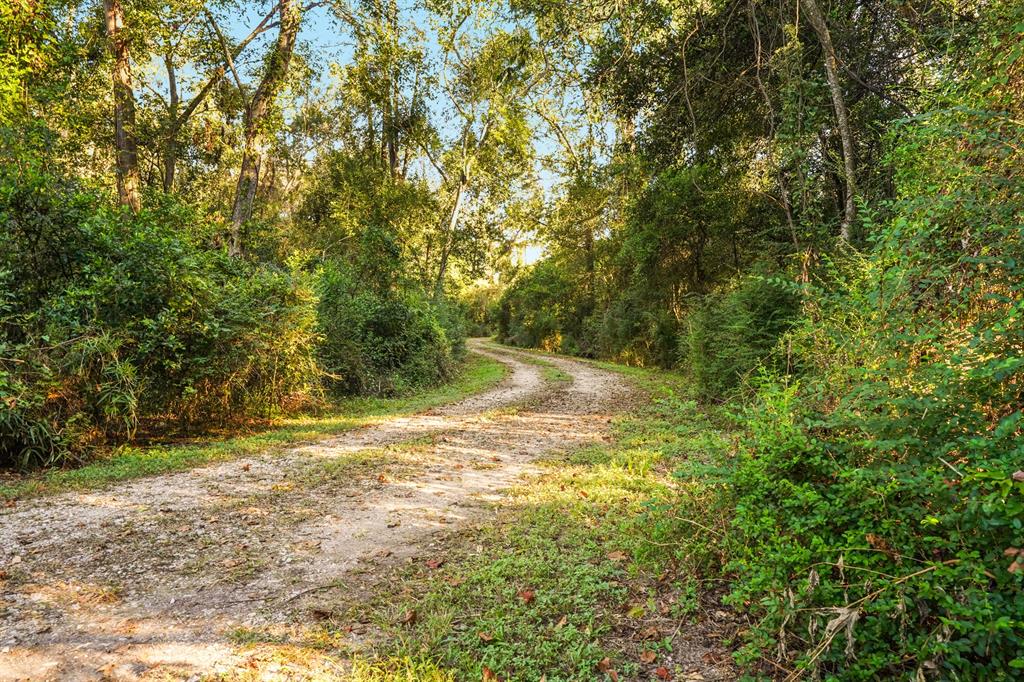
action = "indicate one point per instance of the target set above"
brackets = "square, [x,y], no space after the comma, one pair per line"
[147,579]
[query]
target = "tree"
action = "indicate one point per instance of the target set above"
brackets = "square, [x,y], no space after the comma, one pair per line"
[289,19]
[128,179]
[817,20]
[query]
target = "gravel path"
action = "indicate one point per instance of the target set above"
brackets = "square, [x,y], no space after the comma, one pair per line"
[147,579]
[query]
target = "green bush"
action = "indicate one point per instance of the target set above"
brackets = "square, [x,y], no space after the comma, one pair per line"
[731,334]
[880,498]
[112,319]
[382,343]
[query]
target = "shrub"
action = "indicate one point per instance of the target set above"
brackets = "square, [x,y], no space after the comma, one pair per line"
[880,499]
[381,343]
[732,333]
[111,319]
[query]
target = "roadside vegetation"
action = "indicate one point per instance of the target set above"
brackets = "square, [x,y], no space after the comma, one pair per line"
[131,461]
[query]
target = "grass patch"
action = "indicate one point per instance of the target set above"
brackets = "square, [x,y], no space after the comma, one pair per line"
[589,568]
[478,374]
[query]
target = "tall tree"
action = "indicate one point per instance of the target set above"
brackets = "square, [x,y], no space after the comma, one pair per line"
[820,26]
[289,19]
[128,179]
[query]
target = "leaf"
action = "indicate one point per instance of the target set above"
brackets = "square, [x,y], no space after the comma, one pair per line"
[616,556]
[434,563]
[489,675]
[455,581]
[605,664]
[526,595]
[561,623]
[649,633]
[662,673]
[408,618]
[485,636]
[648,656]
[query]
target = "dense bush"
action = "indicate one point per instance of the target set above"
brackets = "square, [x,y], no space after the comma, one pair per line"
[880,498]
[382,342]
[111,319]
[733,333]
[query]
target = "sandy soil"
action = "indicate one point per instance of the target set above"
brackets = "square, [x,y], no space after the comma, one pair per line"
[147,579]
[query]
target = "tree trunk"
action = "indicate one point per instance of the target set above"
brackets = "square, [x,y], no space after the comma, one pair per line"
[171,139]
[277,68]
[820,27]
[128,180]
[446,244]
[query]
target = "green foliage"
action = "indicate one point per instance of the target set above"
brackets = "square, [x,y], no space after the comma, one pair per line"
[111,320]
[880,499]
[381,343]
[734,333]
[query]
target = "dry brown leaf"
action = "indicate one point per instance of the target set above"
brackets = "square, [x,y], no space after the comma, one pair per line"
[649,633]
[485,636]
[561,623]
[408,618]
[434,563]
[663,673]
[605,664]
[648,657]
[526,595]
[616,556]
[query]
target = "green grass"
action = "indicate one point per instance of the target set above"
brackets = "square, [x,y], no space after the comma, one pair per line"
[574,558]
[129,462]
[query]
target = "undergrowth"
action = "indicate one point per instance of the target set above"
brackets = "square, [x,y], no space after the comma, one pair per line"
[477,374]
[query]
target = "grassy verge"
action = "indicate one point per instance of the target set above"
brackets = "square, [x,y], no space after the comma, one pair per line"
[592,570]
[124,463]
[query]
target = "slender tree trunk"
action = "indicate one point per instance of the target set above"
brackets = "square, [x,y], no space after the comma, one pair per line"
[446,243]
[171,139]
[820,27]
[248,177]
[128,180]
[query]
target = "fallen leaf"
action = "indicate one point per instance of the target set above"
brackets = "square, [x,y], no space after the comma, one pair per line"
[614,675]
[246,467]
[495,459]
[455,582]
[408,618]
[616,556]
[561,623]
[526,595]
[648,657]
[662,673]
[605,664]
[382,478]
[489,675]
[485,636]
[649,633]
[435,563]
[583,493]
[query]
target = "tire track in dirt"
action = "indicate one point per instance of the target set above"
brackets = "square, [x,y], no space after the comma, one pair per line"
[145,580]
